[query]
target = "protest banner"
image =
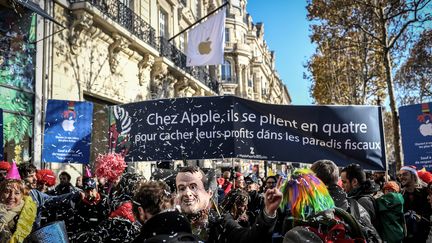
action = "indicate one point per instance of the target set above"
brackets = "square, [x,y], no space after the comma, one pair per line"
[416,131]
[67,134]
[232,127]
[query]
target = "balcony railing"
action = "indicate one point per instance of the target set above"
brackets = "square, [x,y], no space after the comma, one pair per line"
[124,16]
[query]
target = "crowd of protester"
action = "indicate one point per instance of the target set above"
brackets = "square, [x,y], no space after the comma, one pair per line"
[321,204]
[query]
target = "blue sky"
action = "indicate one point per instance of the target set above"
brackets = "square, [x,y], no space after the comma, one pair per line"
[286,31]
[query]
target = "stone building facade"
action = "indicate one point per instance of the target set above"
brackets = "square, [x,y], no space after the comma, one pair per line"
[117,51]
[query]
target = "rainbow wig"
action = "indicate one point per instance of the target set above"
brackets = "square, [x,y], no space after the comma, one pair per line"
[304,194]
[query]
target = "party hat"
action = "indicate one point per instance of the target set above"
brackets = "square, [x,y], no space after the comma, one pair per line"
[13,173]
[88,172]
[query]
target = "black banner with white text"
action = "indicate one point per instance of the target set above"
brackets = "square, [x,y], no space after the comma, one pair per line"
[231,127]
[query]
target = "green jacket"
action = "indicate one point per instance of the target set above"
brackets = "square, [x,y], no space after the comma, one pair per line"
[391,217]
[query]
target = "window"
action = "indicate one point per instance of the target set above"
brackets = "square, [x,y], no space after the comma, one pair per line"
[197,8]
[250,83]
[227,35]
[163,24]
[226,71]
[17,81]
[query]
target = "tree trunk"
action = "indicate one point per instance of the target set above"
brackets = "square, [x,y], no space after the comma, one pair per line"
[394,111]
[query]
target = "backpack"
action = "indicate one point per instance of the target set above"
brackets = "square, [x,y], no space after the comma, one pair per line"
[359,213]
[391,217]
[343,228]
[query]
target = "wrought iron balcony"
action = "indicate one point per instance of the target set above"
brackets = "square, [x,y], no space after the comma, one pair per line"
[124,16]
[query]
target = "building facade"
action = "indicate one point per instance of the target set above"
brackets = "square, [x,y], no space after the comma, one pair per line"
[117,51]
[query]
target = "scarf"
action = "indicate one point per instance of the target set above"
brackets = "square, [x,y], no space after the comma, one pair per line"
[27,216]
[199,222]
[93,202]
[25,220]
[7,215]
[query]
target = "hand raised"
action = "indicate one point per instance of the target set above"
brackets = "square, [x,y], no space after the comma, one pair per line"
[272,199]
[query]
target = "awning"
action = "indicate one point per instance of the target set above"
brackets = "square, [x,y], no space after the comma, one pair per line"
[32,6]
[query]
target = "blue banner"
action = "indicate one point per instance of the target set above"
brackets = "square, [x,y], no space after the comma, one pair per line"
[416,129]
[231,127]
[1,134]
[67,135]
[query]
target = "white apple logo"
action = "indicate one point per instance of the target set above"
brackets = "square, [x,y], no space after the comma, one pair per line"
[426,129]
[68,125]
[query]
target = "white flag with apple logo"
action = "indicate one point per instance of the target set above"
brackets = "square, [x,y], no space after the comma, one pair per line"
[206,42]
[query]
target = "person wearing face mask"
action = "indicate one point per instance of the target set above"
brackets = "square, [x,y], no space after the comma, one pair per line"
[195,190]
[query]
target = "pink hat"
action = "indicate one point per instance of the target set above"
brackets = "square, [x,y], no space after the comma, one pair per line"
[88,172]
[13,173]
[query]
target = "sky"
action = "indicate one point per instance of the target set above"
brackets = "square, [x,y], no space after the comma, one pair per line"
[286,31]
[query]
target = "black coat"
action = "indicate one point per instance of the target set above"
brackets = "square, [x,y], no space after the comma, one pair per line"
[87,217]
[111,230]
[166,223]
[226,229]
[339,196]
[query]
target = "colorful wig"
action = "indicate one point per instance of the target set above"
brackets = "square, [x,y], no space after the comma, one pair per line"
[4,165]
[46,177]
[304,194]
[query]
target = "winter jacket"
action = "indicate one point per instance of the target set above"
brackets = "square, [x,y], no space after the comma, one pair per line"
[339,196]
[87,216]
[119,227]
[226,229]
[110,231]
[417,213]
[61,189]
[173,222]
[49,203]
[364,195]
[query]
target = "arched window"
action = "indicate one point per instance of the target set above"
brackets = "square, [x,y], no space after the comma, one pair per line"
[226,71]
